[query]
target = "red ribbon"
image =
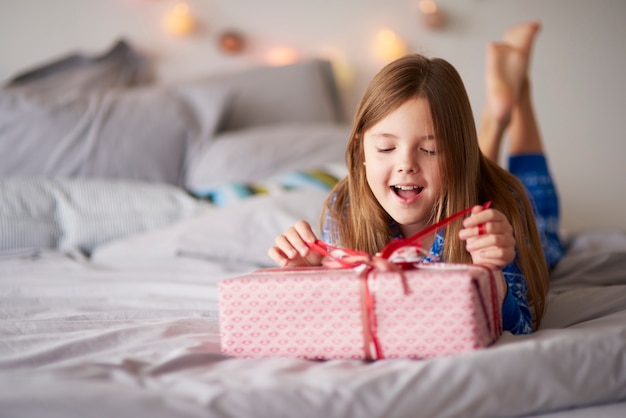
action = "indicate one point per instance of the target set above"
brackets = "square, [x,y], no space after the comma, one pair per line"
[495,309]
[353,258]
[381,261]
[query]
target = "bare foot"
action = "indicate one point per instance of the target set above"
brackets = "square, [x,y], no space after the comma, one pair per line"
[505,76]
[505,73]
[507,69]
[521,37]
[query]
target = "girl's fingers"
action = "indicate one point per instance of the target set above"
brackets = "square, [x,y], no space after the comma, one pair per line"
[278,256]
[501,242]
[480,215]
[499,257]
[305,231]
[291,249]
[492,249]
[298,235]
[286,245]
[488,237]
[485,222]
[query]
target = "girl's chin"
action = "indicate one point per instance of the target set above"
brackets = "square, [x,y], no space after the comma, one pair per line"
[409,226]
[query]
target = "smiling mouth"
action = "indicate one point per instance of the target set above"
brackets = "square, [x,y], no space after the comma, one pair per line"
[406,191]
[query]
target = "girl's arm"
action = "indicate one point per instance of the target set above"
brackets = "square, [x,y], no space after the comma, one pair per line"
[516,314]
[489,240]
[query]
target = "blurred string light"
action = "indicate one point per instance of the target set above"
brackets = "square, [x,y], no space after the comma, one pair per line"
[281,55]
[231,42]
[389,46]
[432,16]
[179,20]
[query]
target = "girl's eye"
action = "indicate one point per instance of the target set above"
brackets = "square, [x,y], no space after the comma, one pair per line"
[384,150]
[428,151]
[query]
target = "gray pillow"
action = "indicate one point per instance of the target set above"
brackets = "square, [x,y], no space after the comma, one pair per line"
[121,66]
[143,133]
[81,214]
[257,153]
[303,92]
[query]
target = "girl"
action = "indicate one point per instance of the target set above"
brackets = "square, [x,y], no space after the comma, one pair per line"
[414,158]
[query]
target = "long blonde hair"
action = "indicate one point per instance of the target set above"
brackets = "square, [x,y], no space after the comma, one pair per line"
[359,222]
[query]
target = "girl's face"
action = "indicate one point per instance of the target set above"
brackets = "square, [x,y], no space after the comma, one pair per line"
[402,165]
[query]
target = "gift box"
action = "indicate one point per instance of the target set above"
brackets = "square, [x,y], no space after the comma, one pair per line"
[428,310]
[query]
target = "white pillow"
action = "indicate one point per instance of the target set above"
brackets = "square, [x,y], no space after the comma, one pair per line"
[258,153]
[245,231]
[222,240]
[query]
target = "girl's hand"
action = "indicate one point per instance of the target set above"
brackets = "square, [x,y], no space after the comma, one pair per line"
[290,249]
[488,236]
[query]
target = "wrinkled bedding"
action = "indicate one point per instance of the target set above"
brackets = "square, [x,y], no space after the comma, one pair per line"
[134,331]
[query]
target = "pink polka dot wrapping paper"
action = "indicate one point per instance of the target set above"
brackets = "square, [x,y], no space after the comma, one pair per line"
[319,313]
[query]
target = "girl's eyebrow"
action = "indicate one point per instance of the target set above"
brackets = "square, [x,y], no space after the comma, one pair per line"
[384,135]
[390,135]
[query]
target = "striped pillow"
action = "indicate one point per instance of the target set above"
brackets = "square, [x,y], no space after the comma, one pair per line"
[69,214]
[323,179]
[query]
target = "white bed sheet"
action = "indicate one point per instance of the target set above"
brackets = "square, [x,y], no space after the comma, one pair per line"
[131,335]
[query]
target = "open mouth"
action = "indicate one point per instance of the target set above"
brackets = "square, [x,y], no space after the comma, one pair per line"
[407,191]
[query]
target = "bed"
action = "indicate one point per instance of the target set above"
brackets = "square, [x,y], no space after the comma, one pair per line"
[124,202]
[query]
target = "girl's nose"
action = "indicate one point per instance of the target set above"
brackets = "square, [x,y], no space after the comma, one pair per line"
[407,164]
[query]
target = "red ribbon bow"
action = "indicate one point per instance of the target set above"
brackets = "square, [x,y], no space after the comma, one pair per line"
[335,257]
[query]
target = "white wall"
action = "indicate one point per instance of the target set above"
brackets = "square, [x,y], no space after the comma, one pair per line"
[578,68]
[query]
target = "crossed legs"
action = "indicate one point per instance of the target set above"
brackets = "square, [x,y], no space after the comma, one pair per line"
[509,103]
